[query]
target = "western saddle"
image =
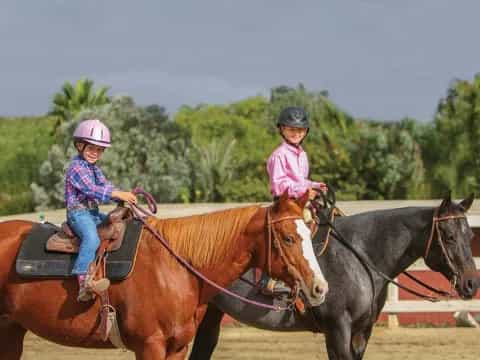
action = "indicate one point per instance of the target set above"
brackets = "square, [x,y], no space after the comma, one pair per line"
[110,232]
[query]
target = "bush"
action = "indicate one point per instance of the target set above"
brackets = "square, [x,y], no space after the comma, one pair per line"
[24,144]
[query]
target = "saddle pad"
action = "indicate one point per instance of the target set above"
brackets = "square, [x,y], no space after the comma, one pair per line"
[33,261]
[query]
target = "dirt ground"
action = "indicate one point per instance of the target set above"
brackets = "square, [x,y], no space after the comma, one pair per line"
[247,343]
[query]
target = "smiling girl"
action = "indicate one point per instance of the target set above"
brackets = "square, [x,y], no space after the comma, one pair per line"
[288,170]
[287,166]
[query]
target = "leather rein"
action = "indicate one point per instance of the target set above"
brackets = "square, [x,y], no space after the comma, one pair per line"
[140,214]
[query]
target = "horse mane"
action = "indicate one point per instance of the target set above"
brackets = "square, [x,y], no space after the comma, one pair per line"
[207,239]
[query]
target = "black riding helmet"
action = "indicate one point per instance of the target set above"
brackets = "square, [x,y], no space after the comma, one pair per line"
[293,117]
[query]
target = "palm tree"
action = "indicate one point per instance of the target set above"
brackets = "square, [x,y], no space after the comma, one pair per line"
[212,168]
[70,100]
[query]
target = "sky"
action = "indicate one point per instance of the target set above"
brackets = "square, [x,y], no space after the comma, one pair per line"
[381,59]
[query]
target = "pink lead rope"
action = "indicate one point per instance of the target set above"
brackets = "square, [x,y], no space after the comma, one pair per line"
[141,214]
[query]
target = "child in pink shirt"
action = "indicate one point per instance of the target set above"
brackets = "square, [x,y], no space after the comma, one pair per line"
[288,169]
[287,166]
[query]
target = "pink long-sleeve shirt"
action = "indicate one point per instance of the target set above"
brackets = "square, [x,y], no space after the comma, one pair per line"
[288,169]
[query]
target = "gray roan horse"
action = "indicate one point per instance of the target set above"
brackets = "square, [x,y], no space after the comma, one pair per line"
[391,240]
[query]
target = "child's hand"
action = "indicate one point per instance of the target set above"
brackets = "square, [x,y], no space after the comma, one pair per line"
[323,187]
[312,193]
[125,196]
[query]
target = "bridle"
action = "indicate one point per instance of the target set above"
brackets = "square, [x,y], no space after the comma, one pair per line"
[369,266]
[277,245]
[435,227]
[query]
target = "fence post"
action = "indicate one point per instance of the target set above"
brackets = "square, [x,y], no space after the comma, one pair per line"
[392,297]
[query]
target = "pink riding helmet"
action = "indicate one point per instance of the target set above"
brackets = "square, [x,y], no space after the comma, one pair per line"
[93,132]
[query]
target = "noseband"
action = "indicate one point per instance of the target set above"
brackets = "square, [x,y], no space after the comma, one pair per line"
[435,227]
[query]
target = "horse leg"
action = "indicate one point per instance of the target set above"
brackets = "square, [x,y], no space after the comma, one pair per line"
[154,348]
[208,333]
[338,340]
[11,341]
[179,355]
[360,341]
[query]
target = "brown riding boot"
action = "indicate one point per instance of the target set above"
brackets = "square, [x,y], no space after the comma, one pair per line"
[272,287]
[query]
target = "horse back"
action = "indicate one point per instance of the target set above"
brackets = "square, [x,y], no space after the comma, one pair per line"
[13,232]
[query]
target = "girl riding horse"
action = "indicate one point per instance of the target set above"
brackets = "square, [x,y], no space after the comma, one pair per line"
[288,170]
[85,188]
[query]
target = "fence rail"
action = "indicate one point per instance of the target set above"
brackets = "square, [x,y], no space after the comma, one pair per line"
[394,305]
[420,306]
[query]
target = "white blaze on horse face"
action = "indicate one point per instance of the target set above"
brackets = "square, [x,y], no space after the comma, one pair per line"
[307,247]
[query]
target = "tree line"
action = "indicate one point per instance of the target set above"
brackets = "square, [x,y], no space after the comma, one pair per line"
[217,153]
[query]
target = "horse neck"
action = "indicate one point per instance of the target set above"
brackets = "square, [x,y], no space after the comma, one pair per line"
[259,246]
[214,244]
[244,258]
[399,239]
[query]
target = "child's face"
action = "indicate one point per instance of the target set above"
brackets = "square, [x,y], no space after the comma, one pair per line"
[293,135]
[92,153]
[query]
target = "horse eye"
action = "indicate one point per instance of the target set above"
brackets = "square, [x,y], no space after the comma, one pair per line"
[288,240]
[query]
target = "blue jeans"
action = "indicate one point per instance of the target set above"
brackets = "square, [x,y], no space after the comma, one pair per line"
[84,225]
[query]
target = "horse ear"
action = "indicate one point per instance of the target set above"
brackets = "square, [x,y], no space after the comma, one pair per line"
[466,203]
[301,201]
[446,200]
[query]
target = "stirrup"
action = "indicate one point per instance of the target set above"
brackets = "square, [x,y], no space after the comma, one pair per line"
[97,286]
[275,288]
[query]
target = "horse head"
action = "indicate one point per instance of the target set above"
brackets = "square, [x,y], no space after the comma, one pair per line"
[449,246]
[292,256]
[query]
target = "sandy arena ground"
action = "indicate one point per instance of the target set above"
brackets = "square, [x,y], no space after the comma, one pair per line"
[247,343]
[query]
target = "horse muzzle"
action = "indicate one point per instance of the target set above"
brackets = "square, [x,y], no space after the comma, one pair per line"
[317,292]
[468,285]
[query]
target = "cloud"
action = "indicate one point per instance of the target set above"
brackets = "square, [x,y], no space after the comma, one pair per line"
[174,90]
[376,60]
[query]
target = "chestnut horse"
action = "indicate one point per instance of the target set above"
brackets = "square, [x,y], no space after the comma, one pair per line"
[161,304]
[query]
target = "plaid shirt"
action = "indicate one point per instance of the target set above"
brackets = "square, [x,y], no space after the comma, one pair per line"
[85,185]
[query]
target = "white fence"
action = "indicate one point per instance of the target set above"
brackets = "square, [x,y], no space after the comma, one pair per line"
[395,306]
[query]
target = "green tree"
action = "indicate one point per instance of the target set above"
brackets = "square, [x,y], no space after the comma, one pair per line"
[454,147]
[211,129]
[212,169]
[72,99]
[387,160]
[24,144]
